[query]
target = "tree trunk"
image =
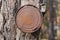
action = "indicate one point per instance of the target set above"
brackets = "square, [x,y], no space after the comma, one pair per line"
[8,29]
[51,20]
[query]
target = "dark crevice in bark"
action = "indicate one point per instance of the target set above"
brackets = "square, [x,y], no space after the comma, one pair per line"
[4,0]
[17,6]
[36,33]
[15,9]
[0,32]
[19,2]
[4,38]
[7,29]
[0,4]
[14,38]
[4,20]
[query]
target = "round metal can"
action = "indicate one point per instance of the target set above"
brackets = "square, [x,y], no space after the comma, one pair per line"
[29,19]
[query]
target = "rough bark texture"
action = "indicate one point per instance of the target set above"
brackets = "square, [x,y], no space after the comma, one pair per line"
[8,29]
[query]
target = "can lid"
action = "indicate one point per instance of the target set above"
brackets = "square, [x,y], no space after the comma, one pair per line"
[29,19]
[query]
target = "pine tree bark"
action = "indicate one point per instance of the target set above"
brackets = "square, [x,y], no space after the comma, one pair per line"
[8,29]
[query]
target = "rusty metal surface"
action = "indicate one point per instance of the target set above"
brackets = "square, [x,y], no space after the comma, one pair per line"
[29,19]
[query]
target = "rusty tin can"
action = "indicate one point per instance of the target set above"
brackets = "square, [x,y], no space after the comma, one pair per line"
[29,18]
